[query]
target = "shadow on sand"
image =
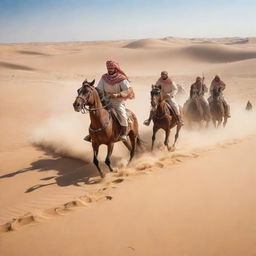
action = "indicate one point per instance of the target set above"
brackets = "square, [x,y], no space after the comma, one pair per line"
[69,171]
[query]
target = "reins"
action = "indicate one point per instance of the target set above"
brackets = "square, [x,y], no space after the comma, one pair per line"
[85,110]
[104,126]
[165,115]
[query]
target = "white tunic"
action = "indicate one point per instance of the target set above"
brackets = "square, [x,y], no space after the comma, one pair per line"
[168,90]
[109,89]
[117,103]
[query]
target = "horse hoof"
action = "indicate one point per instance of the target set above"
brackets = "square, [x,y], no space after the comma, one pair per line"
[171,149]
[115,170]
[102,175]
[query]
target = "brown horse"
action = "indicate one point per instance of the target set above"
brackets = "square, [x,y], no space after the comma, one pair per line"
[194,112]
[104,127]
[217,109]
[163,118]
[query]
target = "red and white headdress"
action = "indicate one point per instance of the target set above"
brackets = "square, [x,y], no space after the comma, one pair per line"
[117,77]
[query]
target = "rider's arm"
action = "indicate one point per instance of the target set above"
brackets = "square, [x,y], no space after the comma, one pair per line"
[211,88]
[191,90]
[124,85]
[100,85]
[223,86]
[205,89]
[174,89]
[124,90]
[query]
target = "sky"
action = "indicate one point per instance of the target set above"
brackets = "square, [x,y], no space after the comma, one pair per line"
[93,20]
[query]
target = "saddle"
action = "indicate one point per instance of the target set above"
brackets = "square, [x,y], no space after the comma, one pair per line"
[114,116]
[171,111]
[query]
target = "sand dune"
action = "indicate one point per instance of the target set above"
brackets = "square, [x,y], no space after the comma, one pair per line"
[148,43]
[216,53]
[30,52]
[15,66]
[46,169]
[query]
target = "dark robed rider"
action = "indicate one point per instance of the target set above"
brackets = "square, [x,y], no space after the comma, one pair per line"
[217,83]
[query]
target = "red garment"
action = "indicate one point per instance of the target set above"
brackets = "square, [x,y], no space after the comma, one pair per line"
[216,84]
[117,77]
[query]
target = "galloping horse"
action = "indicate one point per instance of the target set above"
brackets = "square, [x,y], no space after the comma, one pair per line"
[104,127]
[194,111]
[217,109]
[163,118]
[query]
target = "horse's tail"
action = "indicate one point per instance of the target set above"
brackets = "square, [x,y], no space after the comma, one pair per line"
[139,141]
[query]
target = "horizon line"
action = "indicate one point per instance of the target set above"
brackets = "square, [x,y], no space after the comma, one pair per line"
[116,40]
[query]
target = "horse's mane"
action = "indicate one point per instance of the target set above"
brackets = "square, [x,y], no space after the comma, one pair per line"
[216,92]
[103,99]
[98,94]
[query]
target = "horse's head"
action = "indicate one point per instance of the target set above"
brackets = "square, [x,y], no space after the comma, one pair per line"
[216,92]
[194,94]
[155,95]
[85,96]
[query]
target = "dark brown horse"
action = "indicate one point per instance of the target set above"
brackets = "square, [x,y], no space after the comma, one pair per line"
[194,111]
[163,118]
[217,108]
[104,127]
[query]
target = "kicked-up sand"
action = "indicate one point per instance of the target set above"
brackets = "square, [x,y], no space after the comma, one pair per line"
[198,200]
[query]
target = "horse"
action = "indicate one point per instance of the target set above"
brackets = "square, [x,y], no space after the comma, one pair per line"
[248,106]
[104,127]
[194,111]
[217,109]
[163,118]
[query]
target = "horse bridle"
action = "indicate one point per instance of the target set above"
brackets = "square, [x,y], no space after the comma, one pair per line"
[84,109]
[154,92]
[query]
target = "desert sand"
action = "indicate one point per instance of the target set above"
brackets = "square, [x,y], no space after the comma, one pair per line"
[198,200]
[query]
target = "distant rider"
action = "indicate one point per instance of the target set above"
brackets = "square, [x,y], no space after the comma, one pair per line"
[168,90]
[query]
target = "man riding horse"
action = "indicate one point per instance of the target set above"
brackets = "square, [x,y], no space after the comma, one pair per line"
[168,90]
[199,89]
[116,88]
[217,83]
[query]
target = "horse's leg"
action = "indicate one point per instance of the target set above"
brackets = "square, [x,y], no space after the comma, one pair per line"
[153,137]
[214,122]
[200,125]
[166,141]
[225,121]
[128,145]
[207,124]
[95,158]
[219,123]
[107,160]
[133,140]
[176,136]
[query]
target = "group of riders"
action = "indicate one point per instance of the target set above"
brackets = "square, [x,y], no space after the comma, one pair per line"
[115,86]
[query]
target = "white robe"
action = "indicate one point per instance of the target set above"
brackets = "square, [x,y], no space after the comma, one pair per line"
[117,103]
[168,92]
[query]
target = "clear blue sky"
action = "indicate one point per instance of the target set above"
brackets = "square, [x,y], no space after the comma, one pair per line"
[89,20]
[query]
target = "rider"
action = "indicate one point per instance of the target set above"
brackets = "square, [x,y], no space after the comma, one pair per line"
[115,86]
[217,83]
[199,88]
[168,90]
